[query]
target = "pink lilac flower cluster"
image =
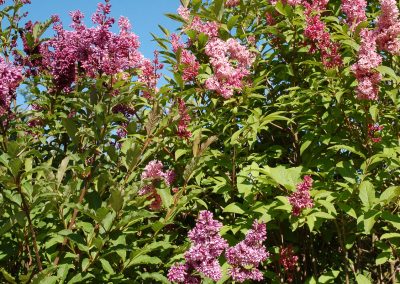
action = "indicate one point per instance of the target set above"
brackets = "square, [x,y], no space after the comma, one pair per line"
[288,260]
[94,51]
[319,37]
[207,246]
[184,120]
[355,12]
[149,75]
[232,3]
[374,132]
[187,60]
[10,78]
[230,62]
[364,69]
[388,27]
[154,172]
[184,13]
[301,199]
[248,254]
[316,31]
[205,27]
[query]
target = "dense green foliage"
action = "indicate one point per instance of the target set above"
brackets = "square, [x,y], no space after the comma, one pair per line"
[69,203]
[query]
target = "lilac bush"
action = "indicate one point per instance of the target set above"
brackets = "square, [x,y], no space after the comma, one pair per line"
[253,118]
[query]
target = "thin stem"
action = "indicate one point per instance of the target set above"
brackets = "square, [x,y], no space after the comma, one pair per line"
[343,250]
[26,209]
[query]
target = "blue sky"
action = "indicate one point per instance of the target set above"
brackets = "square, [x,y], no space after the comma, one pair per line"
[145,15]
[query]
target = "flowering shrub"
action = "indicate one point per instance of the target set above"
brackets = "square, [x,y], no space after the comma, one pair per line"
[270,154]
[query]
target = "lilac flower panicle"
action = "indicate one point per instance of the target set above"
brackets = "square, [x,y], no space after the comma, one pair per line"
[10,78]
[178,273]
[208,28]
[230,62]
[153,170]
[288,260]
[207,246]
[364,69]
[355,12]
[301,199]
[184,13]
[388,27]
[95,50]
[184,120]
[245,257]
[187,60]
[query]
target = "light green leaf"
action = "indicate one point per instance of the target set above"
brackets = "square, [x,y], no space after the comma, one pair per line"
[61,170]
[234,208]
[106,266]
[390,194]
[367,194]
[287,177]
[361,279]
[346,148]
[390,236]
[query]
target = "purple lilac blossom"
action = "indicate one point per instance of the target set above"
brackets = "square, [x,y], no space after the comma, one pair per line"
[301,199]
[10,78]
[248,254]
[207,246]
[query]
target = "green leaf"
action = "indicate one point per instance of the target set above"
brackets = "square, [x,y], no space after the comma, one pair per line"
[352,44]
[373,110]
[288,177]
[390,236]
[382,258]
[304,146]
[346,148]
[144,259]
[369,220]
[328,276]
[234,208]
[71,129]
[35,31]
[106,266]
[232,21]
[328,205]
[166,197]
[281,8]
[367,194]
[390,194]
[80,277]
[361,279]
[164,30]
[348,209]
[323,215]
[15,166]
[61,170]
[218,8]
[392,219]
[7,276]
[116,200]
[386,70]
[159,277]
[179,153]
[310,220]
